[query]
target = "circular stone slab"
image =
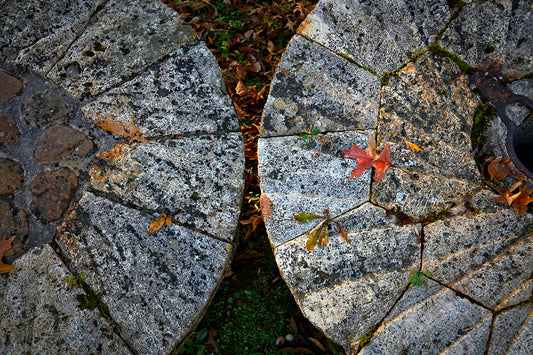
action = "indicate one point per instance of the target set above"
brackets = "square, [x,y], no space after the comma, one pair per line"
[394,69]
[113,114]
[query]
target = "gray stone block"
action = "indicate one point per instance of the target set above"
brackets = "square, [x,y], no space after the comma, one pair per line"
[183,94]
[155,286]
[457,247]
[301,176]
[39,313]
[523,343]
[443,322]
[347,311]
[317,89]
[379,250]
[197,180]
[428,103]
[507,328]
[37,33]
[381,35]
[497,33]
[125,38]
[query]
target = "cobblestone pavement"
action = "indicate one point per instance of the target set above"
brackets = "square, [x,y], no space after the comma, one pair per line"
[403,70]
[111,114]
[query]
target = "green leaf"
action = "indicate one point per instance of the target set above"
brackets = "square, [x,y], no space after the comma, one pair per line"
[200,336]
[315,235]
[413,279]
[306,217]
[426,273]
[305,136]
[314,132]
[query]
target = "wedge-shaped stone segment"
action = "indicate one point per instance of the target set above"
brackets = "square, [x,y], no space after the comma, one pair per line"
[507,327]
[347,311]
[495,280]
[441,323]
[523,343]
[37,33]
[183,94]
[497,33]
[521,294]
[40,314]
[383,249]
[126,37]
[154,286]
[487,257]
[301,176]
[379,34]
[317,89]
[428,103]
[198,180]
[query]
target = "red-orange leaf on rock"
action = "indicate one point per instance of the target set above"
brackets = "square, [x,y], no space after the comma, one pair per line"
[521,202]
[369,158]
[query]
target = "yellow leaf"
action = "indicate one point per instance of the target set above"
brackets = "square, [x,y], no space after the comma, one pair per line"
[414,148]
[168,221]
[157,224]
[241,89]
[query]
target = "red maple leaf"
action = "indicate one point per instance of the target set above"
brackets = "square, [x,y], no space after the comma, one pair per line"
[369,158]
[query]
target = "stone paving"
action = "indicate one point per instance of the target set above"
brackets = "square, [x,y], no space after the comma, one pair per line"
[401,70]
[111,114]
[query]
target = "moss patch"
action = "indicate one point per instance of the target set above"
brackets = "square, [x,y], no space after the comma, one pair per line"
[90,300]
[483,117]
[436,48]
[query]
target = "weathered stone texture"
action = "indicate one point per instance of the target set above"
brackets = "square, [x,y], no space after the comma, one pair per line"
[493,32]
[184,94]
[507,326]
[155,286]
[198,180]
[523,343]
[381,35]
[443,322]
[46,107]
[347,311]
[126,37]
[301,176]
[12,176]
[38,33]
[61,141]
[428,103]
[456,247]
[381,249]
[39,313]
[52,192]
[9,87]
[317,89]
[8,128]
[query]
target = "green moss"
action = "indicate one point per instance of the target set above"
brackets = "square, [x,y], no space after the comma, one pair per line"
[90,300]
[436,216]
[366,338]
[415,57]
[386,77]
[436,48]
[456,4]
[483,116]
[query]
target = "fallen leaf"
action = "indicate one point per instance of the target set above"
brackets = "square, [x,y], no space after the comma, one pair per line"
[241,89]
[317,343]
[306,217]
[414,148]
[500,170]
[266,206]
[132,134]
[521,202]
[158,223]
[319,234]
[369,158]
[5,245]
[506,195]
[168,221]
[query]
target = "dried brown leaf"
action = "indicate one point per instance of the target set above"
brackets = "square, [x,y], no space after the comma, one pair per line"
[5,246]
[157,223]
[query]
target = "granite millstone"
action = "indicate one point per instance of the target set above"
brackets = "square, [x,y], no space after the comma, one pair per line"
[37,34]
[197,180]
[184,94]
[154,285]
[36,288]
[316,89]
[488,35]
[125,38]
[438,217]
[380,35]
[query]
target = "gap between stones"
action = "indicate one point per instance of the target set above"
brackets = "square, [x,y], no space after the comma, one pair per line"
[91,297]
[99,8]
